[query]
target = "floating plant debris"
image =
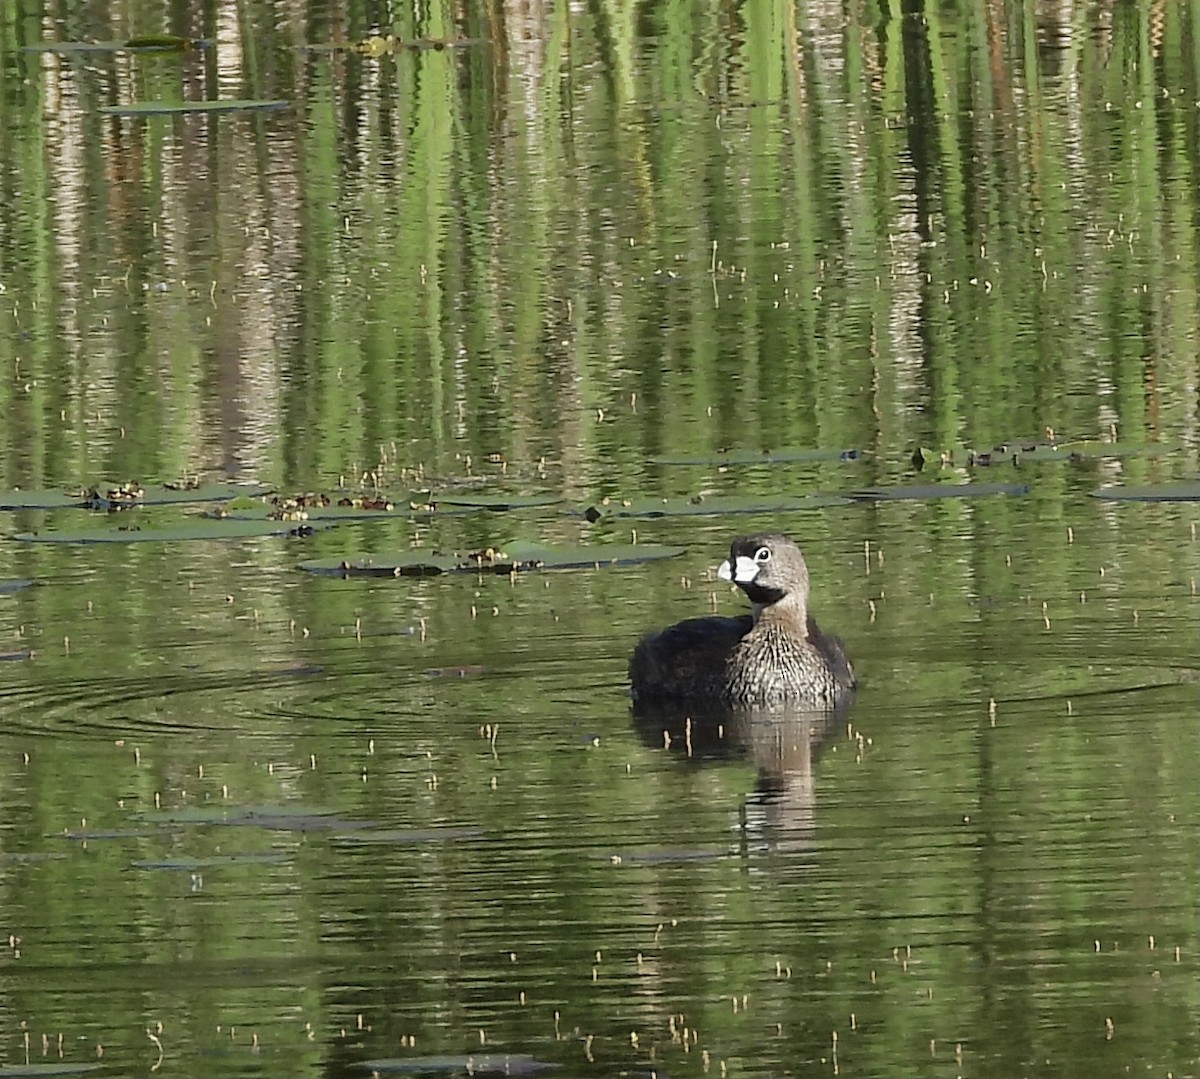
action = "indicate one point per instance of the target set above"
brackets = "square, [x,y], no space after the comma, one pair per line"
[702,506]
[1017,452]
[514,557]
[378,45]
[758,457]
[482,1064]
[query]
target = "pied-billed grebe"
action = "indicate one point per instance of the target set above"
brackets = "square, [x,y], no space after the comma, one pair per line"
[775,655]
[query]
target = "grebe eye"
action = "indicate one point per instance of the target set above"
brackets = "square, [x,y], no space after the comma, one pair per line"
[763,554]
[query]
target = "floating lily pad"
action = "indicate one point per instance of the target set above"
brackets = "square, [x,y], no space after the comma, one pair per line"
[145,43]
[403,836]
[165,108]
[216,861]
[757,457]
[38,1071]
[701,506]
[514,557]
[197,528]
[87,835]
[483,1064]
[668,856]
[267,816]
[938,490]
[7,587]
[1185,491]
[104,496]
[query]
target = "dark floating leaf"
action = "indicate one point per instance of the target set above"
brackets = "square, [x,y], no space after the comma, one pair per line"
[483,1064]
[165,43]
[498,502]
[197,528]
[700,506]
[216,861]
[7,587]
[1184,491]
[758,457]
[165,108]
[515,557]
[406,564]
[938,490]
[398,837]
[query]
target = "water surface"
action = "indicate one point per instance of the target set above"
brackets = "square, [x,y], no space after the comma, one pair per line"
[256,821]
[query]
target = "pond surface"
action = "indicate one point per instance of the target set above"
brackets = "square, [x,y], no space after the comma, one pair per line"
[261,821]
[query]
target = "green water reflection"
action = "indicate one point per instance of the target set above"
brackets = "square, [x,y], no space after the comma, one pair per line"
[549,262]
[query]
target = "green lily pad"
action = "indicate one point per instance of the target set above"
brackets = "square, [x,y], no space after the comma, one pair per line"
[701,506]
[757,457]
[104,496]
[196,528]
[1185,491]
[514,557]
[938,490]
[166,108]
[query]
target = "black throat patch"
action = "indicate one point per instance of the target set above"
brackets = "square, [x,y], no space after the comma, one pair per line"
[762,594]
